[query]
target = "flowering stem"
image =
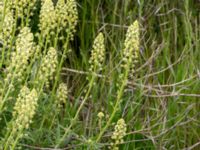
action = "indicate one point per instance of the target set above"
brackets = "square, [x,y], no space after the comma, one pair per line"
[78,111]
[3,53]
[57,76]
[60,66]
[12,38]
[4,13]
[56,38]
[119,95]
[15,142]
[7,92]
[28,15]
[7,138]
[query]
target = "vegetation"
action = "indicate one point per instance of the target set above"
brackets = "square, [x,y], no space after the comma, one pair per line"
[99,74]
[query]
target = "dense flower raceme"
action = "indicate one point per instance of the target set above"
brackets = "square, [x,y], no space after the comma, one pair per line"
[47,18]
[23,113]
[25,48]
[48,66]
[62,93]
[22,7]
[67,16]
[64,17]
[97,54]
[130,52]
[8,24]
[131,49]
[118,134]
[24,109]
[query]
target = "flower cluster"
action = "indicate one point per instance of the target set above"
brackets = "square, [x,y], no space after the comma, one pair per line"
[23,7]
[48,66]
[7,27]
[67,16]
[130,52]
[62,93]
[118,134]
[24,50]
[47,18]
[97,54]
[23,113]
[24,109]
[100,115]
[135,45]
[25,42]
[64,17]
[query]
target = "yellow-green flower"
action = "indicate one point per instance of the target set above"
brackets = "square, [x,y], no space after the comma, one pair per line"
[67,16]
[119,133]
[7,27]
[97,54]
[47,18]
[24,109]
[23,113]
[25,47]
[132,42]
[22,7]
[130,52]
[48,66]
[62,93]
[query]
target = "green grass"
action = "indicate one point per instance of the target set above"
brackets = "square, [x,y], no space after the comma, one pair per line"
[160,105]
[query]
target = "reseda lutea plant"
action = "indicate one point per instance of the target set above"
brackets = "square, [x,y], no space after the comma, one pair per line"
[23,113]
[96,60]
[19,61]
[118,134]
[25,49]
[48,67]
[130,53]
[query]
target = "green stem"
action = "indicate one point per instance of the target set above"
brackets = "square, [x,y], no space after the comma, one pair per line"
[78,111]
[56,38]
[2,55]
[7,138]
[60,66]
[15,142]
[28,15]
[56,78]
[7,93]
[119,96]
